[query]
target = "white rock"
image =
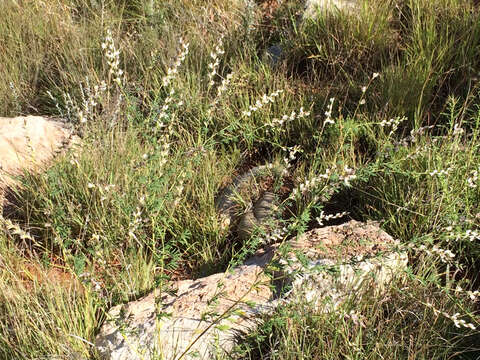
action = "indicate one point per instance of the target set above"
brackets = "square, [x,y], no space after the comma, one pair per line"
[27,143]
[183,317]
[313,7]
[201,317]
[129,331]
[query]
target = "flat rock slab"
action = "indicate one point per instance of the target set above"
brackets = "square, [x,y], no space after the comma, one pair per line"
[186,317]
[130,330]
[28,143]
[200,318]
[313,7]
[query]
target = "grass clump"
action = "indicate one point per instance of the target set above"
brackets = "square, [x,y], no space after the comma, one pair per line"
[396,326]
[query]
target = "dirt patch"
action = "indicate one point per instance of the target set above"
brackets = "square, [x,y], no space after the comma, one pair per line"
[33,276]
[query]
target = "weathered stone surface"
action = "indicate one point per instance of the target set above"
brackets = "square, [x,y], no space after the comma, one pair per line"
[201,317]
[185,312]
[27,143]
[193,326]
[129,331]
[313,7]
[344,260]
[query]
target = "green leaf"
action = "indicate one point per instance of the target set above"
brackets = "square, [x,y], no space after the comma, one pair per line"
[79,264]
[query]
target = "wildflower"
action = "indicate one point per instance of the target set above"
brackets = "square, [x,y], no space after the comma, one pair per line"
[323,217]
[414,134]
[220,91]
[213,66]
[262,102]
[14,91]
[69,105]
[112,56]
[74,162]
[455,317]
[470,235]
[393,123]
[224,85]
[90,98]
[473,295]
[166,105]
[179,189]
[135,223]
[276,235]
[440,172]
[277,123]
[107,188]
[328,113]
[81,117]
[445,255]
[292,151]
[14,229]
[357,318]
[457,130]
[349,176]
[310,184]
[172,71]
[472,180]
[163,146]
[57,104]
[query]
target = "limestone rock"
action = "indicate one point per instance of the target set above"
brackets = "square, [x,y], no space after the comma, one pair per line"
[187,311]
[129,330]
[193,326]
[344,260]
[201,317]
[27,143]
[313,7]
